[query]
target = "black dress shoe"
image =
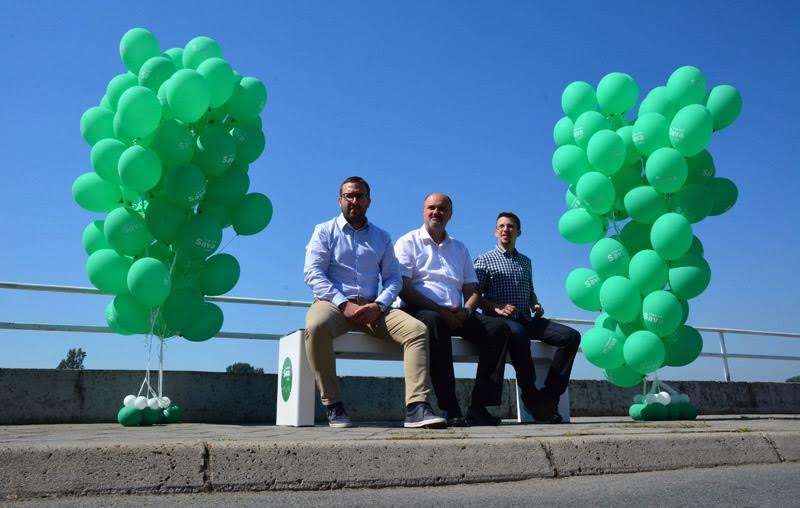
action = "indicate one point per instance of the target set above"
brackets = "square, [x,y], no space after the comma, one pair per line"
[542,413]
[478,415]
[455,419]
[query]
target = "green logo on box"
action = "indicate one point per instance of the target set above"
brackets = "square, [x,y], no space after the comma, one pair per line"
[286,379]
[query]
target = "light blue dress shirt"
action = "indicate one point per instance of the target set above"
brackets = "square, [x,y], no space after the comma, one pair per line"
[343,263]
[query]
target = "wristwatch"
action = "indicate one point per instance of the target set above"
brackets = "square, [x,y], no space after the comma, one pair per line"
[382,307]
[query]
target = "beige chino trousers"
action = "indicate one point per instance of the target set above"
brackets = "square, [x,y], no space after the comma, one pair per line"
[325,322]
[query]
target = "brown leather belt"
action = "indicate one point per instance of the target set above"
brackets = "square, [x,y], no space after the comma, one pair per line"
[359,300]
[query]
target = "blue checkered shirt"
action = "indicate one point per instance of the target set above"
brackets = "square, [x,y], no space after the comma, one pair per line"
[507,277]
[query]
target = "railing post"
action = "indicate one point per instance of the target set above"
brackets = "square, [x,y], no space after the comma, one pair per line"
[725,369]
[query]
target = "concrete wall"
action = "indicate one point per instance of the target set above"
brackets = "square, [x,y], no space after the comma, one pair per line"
[30,396]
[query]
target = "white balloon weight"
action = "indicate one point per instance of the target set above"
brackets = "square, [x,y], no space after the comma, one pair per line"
[140,402]
[129,400]
[152,403]
[165,402]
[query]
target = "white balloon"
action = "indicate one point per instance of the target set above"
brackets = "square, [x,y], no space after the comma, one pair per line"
[650,398]
[165,402]
[638,398]
[152,403]
[664,398]
[140,402]
[129,400]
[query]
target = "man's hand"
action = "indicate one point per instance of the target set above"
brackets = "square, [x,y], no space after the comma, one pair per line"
[366,314]
[538,311]
[506,310]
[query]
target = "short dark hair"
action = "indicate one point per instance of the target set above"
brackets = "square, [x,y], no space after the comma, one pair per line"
[354,179]
[512,216]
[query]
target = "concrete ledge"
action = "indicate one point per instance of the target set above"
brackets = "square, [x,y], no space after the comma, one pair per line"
[787,445]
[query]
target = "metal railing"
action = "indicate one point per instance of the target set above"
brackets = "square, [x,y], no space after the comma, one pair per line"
[723,354]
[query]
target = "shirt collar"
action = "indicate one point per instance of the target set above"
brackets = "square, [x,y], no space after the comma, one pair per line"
[424,235]
[342,222]
[505,252]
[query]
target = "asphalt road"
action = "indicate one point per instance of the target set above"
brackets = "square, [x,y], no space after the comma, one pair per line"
[760,485]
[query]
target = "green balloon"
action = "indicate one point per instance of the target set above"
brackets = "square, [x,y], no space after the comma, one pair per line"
[139,168]
[128,138]
[635,236]
[683,346]
[571,198]
[250,142]
[130,314]
[624,180]
[173,143]
[580,226]
[252,214]
[689,276]
[578,97]
[623,377]
[620,299]
[185,185]
[650,132]
[606,152]
[661,312]
[130,198]
[635,411]
[666,170]
[723,194]
[117,86]
[671,236]
[228,189]
[617,92]
[105,103]
[139,110]
[632,154]
[701,168]
[693,201]
[94,194]
[187,95]
[609,257]
[108,271]
[687,411]
[198,50]
[105,157]
[562,132]
[657,104]
[208,324]
[149,281]
[725,103]
[175,55]
[583,288]
[112,320]
[166,111]
[136,47]
[596,192]
[673,412]
[219,76]
[97,123]
[173,414]
[93,237]
[219,274]
[199,237]
[570,163]
[151,417]
[684,310]
[645,204]
[616,122]
[215,151]
[181,308]
[129,417]
[587,125]
[648,271]
[164,219]
[248,99]
[685,86]
[691,129]
[602,348]
[219,213]
[155,71]
[643,352]
[126,232]
[654,412]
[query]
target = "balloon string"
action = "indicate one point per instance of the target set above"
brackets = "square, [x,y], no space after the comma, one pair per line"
[229,242]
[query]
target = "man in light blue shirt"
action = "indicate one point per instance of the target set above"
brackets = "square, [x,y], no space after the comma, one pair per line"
[345,259]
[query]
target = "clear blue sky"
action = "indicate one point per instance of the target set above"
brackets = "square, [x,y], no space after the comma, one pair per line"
[456,97]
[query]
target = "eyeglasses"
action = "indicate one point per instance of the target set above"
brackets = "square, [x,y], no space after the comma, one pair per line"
[355,196]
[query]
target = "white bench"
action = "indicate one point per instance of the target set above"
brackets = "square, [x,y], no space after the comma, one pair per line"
[296,396]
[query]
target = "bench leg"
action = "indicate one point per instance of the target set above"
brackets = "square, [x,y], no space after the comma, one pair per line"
[295,405]
[541,374]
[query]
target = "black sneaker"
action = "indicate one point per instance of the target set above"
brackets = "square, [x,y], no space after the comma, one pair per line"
[542,413]
[455,419]
[479,415]
[337,416]
[419,415]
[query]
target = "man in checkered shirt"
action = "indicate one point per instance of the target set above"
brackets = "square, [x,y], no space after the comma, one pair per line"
[505,278]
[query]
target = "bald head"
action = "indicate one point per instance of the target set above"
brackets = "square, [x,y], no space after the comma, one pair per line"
[436,211]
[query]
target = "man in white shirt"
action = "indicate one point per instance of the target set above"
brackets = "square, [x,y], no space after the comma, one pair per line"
[345,259]
[440,289]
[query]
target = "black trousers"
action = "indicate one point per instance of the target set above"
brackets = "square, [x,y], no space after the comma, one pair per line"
[491,335]
[565,339]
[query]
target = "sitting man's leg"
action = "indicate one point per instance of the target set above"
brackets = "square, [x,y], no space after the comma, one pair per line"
[519,349]
[400,327]
[492,336]
[566,340]
[325,322]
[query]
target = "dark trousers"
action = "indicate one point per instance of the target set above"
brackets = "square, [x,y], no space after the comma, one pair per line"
[491,335]
[564,338]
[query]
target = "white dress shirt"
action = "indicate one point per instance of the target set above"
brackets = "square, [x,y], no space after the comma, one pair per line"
[342,262]
[437,271]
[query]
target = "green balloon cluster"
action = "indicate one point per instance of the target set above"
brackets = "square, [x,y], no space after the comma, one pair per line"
[655,171]
[172,140]
[661,406]
[143,412]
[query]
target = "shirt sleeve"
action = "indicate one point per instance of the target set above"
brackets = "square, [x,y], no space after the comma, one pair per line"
[482,273]
[318,260]
[390,276]
[403,251]
[470,277]
[532,297]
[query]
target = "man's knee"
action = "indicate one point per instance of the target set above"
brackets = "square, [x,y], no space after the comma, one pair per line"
[319,325]
[573,339]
